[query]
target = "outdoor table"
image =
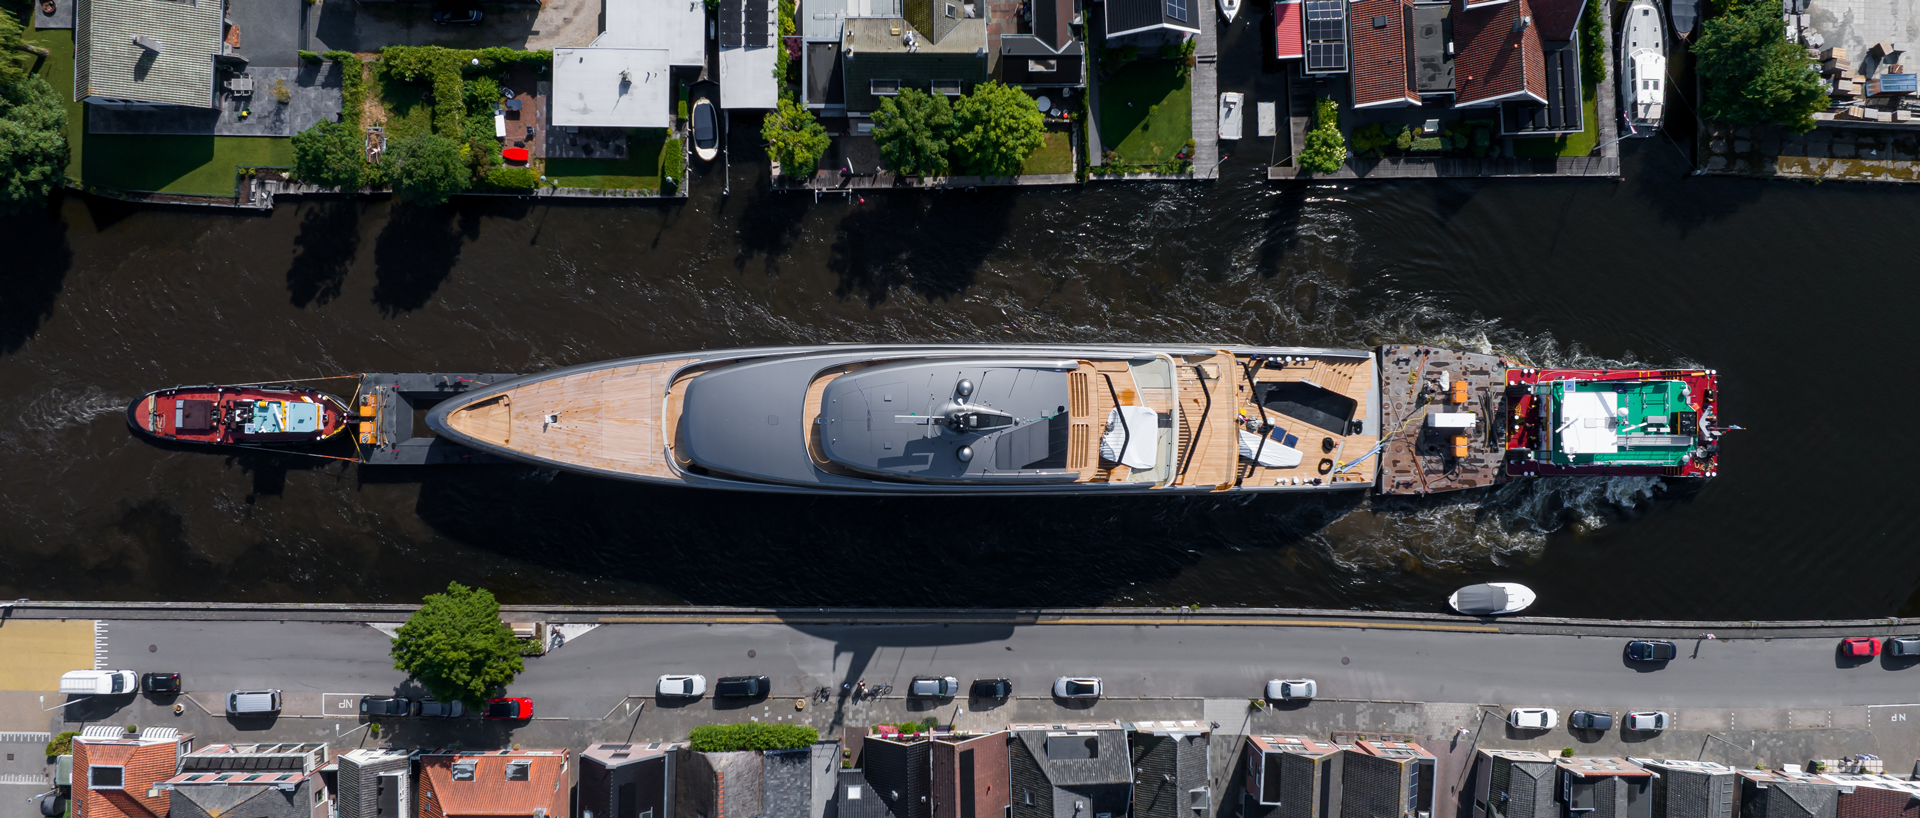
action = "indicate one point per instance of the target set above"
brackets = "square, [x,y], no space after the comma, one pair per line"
[513,105]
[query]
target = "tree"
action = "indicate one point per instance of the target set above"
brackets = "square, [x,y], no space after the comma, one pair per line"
[330,154]
[794,138]
[14,49]
[1326,149]
[33,143]
[428,168]
[997,128]
[913,131]
[1751,73]
[457,647]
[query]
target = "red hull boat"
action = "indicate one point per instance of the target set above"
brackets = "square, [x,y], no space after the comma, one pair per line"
[238,415]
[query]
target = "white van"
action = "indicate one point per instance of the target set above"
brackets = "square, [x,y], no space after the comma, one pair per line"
[97,682]
[253,702]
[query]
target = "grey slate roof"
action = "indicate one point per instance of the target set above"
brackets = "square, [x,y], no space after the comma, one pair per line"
[226,800]
[109,64]
[1088,776]
[1158,758]
[1529,787]
[787,784]
[1130,16]
[854,798]
[1788,799]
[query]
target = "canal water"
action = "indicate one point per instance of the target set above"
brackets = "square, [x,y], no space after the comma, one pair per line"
[1798,293]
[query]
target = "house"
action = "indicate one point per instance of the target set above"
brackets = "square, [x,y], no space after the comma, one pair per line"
[254,780]
[798,783]
[1069,771]
[117,775]
[1691,789]
[1514,784]
[146,52]
[750,53]
[1049,56]
[1152,22]
[1563,109]
[1875,796]
[853,797]
[1286,776]
[719,785]
[1383,65]
[823,87]
[970,775]
[1170,769]
[1387,779]
[935,46]
[624,78]
[627,780]
[374,783]
[494,784]
[1605,787]
[900,770]
[1781,794]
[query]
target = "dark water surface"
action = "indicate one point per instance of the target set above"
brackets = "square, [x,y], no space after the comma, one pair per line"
[1783,287]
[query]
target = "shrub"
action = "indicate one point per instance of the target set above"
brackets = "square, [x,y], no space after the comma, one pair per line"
[329,154]
[353,85]
[1428,143]
[61,744]
[753,735]
[1593,46]
[281,93]
[1404,140]
[672,163]
[1325,150]
[309,56]
[1370,137]
[910,727]
[481,93]
[1566,752]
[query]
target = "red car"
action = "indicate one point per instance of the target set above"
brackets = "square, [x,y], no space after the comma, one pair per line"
[522,709]
[1860,647]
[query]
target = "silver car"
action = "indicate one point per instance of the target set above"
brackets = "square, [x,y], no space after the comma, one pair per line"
[933,687]
[1070,687]
[1288,690]
[1648,721]
[442,710]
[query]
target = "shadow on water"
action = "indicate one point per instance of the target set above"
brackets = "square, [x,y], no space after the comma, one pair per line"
[328,241]
[416,252]
[726,548]
[933,245]
[769,227]
[1282,228]
[39,258]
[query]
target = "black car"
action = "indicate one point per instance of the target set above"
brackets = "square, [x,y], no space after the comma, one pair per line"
[388,706]
[741,686]
[1589,720]
[1645,650]
[992,689]
[458,15]
[165,684]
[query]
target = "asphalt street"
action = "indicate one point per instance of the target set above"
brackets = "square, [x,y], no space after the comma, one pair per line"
[597,670]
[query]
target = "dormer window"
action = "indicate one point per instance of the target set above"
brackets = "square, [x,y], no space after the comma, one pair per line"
[518,770]
[106,777]
[463,770]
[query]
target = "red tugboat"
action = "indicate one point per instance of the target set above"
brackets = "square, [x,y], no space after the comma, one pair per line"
[1612,422]
[238,415]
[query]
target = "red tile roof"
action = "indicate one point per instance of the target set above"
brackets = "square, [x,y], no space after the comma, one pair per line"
[1289,32]
[1494,62]
[490,793]
[1379,33]
[1557,19]
[147,763]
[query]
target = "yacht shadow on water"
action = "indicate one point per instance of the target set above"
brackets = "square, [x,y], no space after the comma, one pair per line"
[930,243]
[39,257]
[417,250]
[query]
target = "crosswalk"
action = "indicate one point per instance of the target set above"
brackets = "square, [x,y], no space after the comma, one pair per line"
[99,645]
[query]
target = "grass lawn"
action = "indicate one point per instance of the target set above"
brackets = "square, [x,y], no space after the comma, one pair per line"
[408,111]
[1142,134]
[202,165]
[1573,144]
[1055,156]
[639,171]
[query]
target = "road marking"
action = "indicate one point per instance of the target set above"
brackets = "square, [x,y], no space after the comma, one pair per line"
[676,619]
[25,738]
[99,645]
[40,780]
[341,705]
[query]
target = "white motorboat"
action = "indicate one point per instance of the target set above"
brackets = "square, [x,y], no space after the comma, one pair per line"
[1643,75]
[1228,8]
[1491,599]
[1232,119]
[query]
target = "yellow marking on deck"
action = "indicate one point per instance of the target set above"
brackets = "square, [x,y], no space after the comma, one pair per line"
[39,650]
[768,619]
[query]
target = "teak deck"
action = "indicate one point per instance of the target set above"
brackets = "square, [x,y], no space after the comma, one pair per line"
[608,419]
[1350,377]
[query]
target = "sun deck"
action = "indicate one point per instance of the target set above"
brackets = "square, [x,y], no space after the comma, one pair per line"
[606,419]
[1313,404]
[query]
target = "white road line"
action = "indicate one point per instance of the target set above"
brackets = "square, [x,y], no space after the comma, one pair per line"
[100,658]
[25,738]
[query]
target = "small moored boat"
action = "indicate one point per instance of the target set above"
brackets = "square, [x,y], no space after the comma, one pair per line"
[238,415]
[706,130]
[1491,598]
[1643,61]
[1228,8]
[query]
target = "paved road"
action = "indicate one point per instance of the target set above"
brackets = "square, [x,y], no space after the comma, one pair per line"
[593,672]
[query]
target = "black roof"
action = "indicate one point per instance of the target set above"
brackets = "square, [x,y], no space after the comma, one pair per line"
[1125,16]
[1564,111]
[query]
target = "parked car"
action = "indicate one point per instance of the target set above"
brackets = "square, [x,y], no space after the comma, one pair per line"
[1903,646]
[97,682]
[742,686]
[458,15]
[1648,650]
[1279,690]
[1534,718]
[993,689]
[1589,720]
[442,710]
[510,709]
[933,687]
[388,706]
[683,687]
[1860,647]
[1648,721]
[706,130]
[253,702]
[1068,687]
[162,684]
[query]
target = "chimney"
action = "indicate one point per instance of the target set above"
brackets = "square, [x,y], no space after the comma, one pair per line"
[149,43]
[1520,23]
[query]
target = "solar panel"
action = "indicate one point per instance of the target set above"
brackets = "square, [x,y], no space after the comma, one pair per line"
[1177,9]
[1326,56]
[730,19]
[1326,20]
[756,23]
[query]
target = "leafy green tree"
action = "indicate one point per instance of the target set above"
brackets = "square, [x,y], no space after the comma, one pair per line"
[428,168]
[1326,149]
[33,143]
[330,154]
[1751,73]
[14,49]
[794,138]
[913,131]
[997,128]
[456,646]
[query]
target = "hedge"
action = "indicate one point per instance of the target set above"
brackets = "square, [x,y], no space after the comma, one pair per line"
[446,69]
[353,84]
[672,162]
[512,179]
[753,735]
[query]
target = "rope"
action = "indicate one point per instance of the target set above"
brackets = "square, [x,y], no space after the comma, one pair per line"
[300,380]
[288,451]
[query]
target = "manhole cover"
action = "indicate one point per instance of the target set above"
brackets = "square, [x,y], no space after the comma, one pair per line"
[751,654]
[153,648]
[1345,661]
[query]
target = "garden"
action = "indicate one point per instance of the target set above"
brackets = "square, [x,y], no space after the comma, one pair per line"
[1146,110]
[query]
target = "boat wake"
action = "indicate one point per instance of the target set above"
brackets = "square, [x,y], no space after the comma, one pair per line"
[59,409]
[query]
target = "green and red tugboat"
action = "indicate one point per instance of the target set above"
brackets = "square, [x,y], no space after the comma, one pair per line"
[276,416]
